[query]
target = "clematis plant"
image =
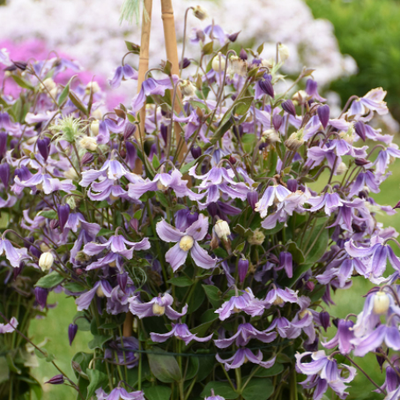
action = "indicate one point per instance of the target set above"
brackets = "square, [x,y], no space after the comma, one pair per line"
[201,230]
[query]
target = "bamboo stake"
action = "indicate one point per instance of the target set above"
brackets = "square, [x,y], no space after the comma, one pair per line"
[167,15]
[143,67]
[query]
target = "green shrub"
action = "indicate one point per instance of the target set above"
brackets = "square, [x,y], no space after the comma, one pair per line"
[369,31]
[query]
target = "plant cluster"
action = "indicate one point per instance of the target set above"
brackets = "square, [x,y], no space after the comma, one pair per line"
[187,230]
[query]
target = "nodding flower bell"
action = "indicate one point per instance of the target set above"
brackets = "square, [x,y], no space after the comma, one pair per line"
[94,127]
[63,214]
[214,396]
[43,146]
[323,114]
[41,296]
[218,63]
[233,36]
[266,87]
[72,330]
[325,319]
[46,261]
[243,267]
[195,151]
[277,121]
[360,130]
[87,158]
[289,107]
[5,174]
[200,13]
[186,62]
[252,199]
[122,280]
[129,130]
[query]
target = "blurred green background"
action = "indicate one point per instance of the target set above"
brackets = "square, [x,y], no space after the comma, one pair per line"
[368,30]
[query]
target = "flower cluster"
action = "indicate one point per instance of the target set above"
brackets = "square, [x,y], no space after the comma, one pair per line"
[202,242]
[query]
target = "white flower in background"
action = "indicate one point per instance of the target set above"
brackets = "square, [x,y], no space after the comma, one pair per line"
[89,30]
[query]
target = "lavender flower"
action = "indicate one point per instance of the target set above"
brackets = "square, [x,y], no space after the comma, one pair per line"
[119,393]
[9,327]
[180,331]
[244,355]
[187,241]
[156,307]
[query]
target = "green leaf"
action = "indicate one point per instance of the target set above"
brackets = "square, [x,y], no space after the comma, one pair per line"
[98,341]
[243,105]
[185,168]
[162,199]
[223,389]
[212,293]
[74,287]
[104,232]
[49,281]
[50,214]
[77,103]
[22,82]
[133,47]
[316,242]
[110,325]
[64,94]
[138,214]
[155,162]
[208,48]
[157,393]
[297,254]
[97,379]
[192,368]
[165,368]
[83,324]
[181,281]
[197,299]
[4,370]
[258,389]
[276,369]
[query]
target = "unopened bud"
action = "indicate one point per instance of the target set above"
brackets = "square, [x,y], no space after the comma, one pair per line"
[56,380]
[195,151]
[283,52]
[48,84]
[243,267]
[381,303]
[94,86]
[122,280]
[222,229]
[218,63]
[43,146]
[289,107]
[200,13]
[5,174]
[277,121]
[243,55]
[187,88]
[341,168]
[323,114]
[88,143]
[72,330]
[257,238]
[87,158]
[41,296]
[233,36]
[266,87]
[186,62]
[46,261]
[129,130]
[292,185]
[94,127]
[325,319]
[360,130]
[71,174]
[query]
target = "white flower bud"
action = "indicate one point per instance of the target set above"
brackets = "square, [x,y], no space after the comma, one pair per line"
[95,87]
[53,92]
[48,84]
[187,88]
[283,52]
[222,229]
[271,136]
[257,238]
[44,247]
[238,66]
[186,243]
[94,128]
[158,310]
[71,202]
[300,97]
[295,140]
[218,63]
[341,169]
[46,261]
[200,13]
[71,174]
[97,114]
[88,143]
[268,63]
[381,303]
